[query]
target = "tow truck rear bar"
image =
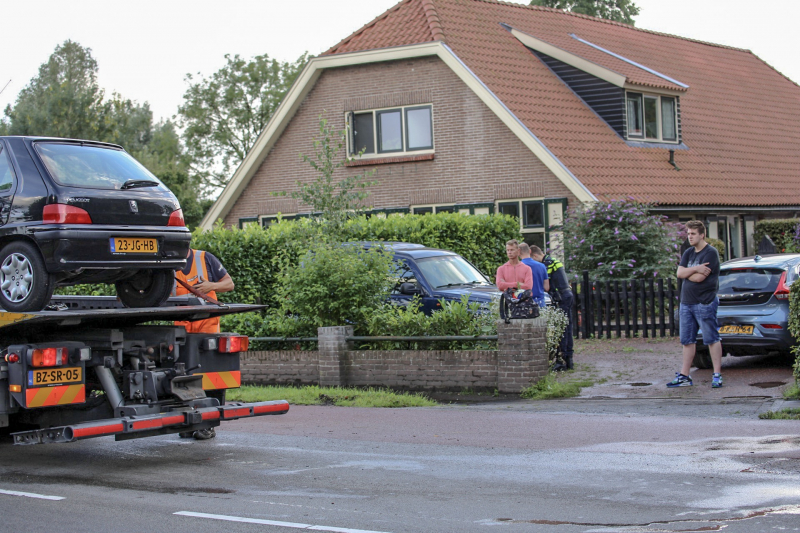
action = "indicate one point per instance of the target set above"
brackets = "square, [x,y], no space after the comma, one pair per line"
[131,427]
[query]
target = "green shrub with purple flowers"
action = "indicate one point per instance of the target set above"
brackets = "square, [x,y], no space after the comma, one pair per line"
[620,239]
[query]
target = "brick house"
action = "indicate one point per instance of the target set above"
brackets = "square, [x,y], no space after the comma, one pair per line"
[480,106]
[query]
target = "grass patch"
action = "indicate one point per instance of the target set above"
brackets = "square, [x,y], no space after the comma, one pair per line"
[549,387]
[792,413]
[792,393]
[341,396]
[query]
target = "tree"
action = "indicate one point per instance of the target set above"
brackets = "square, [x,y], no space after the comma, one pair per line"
[224,114]
[65,100]
[616,10]
[334,201]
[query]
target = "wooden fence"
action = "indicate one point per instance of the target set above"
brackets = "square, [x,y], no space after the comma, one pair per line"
[624,308]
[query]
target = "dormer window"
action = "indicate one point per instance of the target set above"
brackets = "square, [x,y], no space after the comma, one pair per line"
[652,117]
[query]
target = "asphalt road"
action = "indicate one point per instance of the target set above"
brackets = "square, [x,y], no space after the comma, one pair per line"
[578,465]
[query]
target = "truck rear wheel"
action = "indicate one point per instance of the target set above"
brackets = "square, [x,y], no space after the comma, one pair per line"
[148,288]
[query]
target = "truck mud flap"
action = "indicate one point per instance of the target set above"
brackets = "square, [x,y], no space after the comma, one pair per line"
[132,427]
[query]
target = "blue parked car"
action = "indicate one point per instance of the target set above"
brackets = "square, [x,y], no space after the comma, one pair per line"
[753,313]
[433,274]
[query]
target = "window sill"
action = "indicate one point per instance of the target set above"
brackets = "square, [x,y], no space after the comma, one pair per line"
[389,160]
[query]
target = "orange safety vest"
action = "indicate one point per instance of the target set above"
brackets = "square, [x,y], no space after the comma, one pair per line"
[208,325]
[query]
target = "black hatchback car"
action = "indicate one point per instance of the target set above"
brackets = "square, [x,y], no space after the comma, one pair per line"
[76,211]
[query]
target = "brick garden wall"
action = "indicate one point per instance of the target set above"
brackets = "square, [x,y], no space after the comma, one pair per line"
[521,359]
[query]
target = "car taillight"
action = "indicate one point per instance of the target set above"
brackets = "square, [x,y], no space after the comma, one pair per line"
[782,292]
[771,326]
[233,344]
[65,214]
[49,356]
[176,218]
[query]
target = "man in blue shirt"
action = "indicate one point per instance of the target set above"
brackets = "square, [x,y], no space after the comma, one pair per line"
[541,283]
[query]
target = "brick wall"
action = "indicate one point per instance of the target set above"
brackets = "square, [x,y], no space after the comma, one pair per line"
[521,359]
[477,158]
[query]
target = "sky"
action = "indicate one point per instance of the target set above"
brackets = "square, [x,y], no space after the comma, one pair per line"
[144,49]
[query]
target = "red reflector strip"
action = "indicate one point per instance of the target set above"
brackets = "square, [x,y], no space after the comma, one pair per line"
[276,408]
[771,326]
[236,413]
[146,424]
[49,396]
[210,415]
[173,419]
[94,431]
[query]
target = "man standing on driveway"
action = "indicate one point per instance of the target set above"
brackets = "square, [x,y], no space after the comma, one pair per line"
[514,274]
[699,270]
[541,283]
[561,293]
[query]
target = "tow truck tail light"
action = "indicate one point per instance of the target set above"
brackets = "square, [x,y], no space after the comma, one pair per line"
[176,218]
[782,292]
[49,356]
[233,344]
[12,358]
[65,214]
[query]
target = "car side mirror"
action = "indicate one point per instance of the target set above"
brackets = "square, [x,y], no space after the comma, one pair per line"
[409,289]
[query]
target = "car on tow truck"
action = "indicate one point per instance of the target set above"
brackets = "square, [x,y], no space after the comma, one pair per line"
[75,211]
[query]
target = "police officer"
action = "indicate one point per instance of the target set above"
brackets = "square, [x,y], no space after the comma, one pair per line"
[561,293]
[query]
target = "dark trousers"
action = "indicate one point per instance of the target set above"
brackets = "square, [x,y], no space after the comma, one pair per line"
[566,305]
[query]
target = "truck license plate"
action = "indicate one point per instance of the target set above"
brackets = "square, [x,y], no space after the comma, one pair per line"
[55,376]
[133,245]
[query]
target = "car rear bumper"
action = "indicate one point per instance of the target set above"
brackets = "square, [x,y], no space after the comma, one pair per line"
[68,248]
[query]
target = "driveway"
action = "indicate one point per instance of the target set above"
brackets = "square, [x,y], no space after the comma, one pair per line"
[640,368]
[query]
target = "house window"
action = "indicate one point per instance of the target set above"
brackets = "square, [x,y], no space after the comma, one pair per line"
[531,218]
[652,117]
[391,131]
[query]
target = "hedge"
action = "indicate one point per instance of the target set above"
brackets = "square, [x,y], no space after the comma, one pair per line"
[718,244]
[794,326]
[780,230]
[253,255]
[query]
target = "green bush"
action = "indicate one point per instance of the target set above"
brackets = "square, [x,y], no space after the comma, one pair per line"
[619,240]
[782,231]
[794,326]
[719,245]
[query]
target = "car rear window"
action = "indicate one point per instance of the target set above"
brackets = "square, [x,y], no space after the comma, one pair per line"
[95,167]
[749,280]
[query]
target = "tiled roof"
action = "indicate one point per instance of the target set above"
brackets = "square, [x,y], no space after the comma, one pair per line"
[739,116]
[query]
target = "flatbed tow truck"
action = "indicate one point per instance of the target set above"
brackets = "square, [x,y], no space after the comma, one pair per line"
[92,368]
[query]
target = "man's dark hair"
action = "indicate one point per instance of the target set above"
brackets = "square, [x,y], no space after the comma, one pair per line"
[696,225]
[535,250]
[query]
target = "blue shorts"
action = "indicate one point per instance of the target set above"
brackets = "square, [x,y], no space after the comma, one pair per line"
[702,317]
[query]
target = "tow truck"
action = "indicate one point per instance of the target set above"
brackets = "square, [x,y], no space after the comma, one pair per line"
[88,367]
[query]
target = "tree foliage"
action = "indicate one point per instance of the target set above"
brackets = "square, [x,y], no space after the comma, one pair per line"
[65,100]
[223,115]
[620,240]
[616,10]
[333,202]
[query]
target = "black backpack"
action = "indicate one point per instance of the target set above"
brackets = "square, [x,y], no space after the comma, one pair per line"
[518,305]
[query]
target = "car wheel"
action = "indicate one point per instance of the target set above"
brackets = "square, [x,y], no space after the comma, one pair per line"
[25,284]
[148,288]
[702,358]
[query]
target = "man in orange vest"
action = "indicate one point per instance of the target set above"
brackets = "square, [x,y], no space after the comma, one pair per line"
[206,275]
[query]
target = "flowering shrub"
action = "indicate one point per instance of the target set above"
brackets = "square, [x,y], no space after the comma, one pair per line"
[620,240]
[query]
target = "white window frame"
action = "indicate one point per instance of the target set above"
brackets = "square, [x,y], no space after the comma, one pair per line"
[660,122]
[404,133]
